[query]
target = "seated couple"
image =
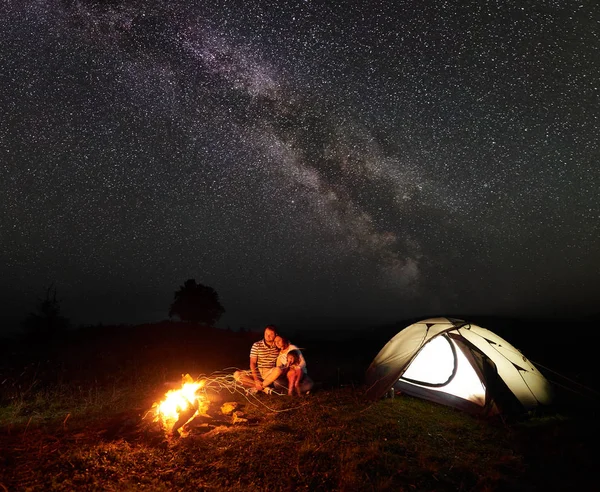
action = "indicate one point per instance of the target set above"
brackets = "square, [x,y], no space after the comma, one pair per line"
[275,362]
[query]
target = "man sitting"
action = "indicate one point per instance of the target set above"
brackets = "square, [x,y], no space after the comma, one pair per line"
[263,360]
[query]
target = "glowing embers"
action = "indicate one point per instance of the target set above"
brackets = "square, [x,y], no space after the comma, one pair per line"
[435,364]
[180,406]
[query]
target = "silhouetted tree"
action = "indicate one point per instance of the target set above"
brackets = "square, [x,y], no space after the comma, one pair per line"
[196,303]
[47,321]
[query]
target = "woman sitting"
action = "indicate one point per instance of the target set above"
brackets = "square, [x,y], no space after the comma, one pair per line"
[292,369]
[292,363]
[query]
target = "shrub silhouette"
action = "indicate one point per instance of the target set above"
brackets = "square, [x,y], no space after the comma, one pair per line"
[47,322]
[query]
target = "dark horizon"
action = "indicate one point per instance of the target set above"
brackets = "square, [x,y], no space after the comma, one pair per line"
[294,324]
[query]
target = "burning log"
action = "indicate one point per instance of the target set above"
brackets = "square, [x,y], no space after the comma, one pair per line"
[181,406]
[184,417]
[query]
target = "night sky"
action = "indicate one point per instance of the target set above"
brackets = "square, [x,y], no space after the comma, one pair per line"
[312,163]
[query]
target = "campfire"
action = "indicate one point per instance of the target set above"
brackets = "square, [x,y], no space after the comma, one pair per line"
[181,406]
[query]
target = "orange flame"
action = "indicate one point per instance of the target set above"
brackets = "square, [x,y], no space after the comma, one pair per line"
[180,406]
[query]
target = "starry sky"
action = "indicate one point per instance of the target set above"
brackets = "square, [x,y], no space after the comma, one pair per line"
[314,162]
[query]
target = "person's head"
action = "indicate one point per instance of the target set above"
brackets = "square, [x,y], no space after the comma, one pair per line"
[293,358]
[281,342]
[270,334]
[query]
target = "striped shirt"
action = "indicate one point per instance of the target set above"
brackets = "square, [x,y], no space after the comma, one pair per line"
[266,356]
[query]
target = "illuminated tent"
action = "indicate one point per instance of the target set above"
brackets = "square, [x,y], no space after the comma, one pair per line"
[458,364]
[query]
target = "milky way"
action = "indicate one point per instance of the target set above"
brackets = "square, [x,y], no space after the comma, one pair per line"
[312,164]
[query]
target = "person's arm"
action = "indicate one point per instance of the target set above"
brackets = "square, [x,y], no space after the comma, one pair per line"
[255,373]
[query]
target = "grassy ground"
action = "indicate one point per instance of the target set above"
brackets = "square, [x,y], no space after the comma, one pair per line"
[77,423]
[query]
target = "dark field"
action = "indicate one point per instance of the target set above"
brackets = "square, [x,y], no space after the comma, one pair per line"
[71,418]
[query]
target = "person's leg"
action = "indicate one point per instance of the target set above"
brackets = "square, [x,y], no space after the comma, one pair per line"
[291,375]
[244,378]
[281,383]
[270,375]
[297,381]
[306,384]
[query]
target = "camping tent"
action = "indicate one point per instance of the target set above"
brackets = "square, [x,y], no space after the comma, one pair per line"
[456,363]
